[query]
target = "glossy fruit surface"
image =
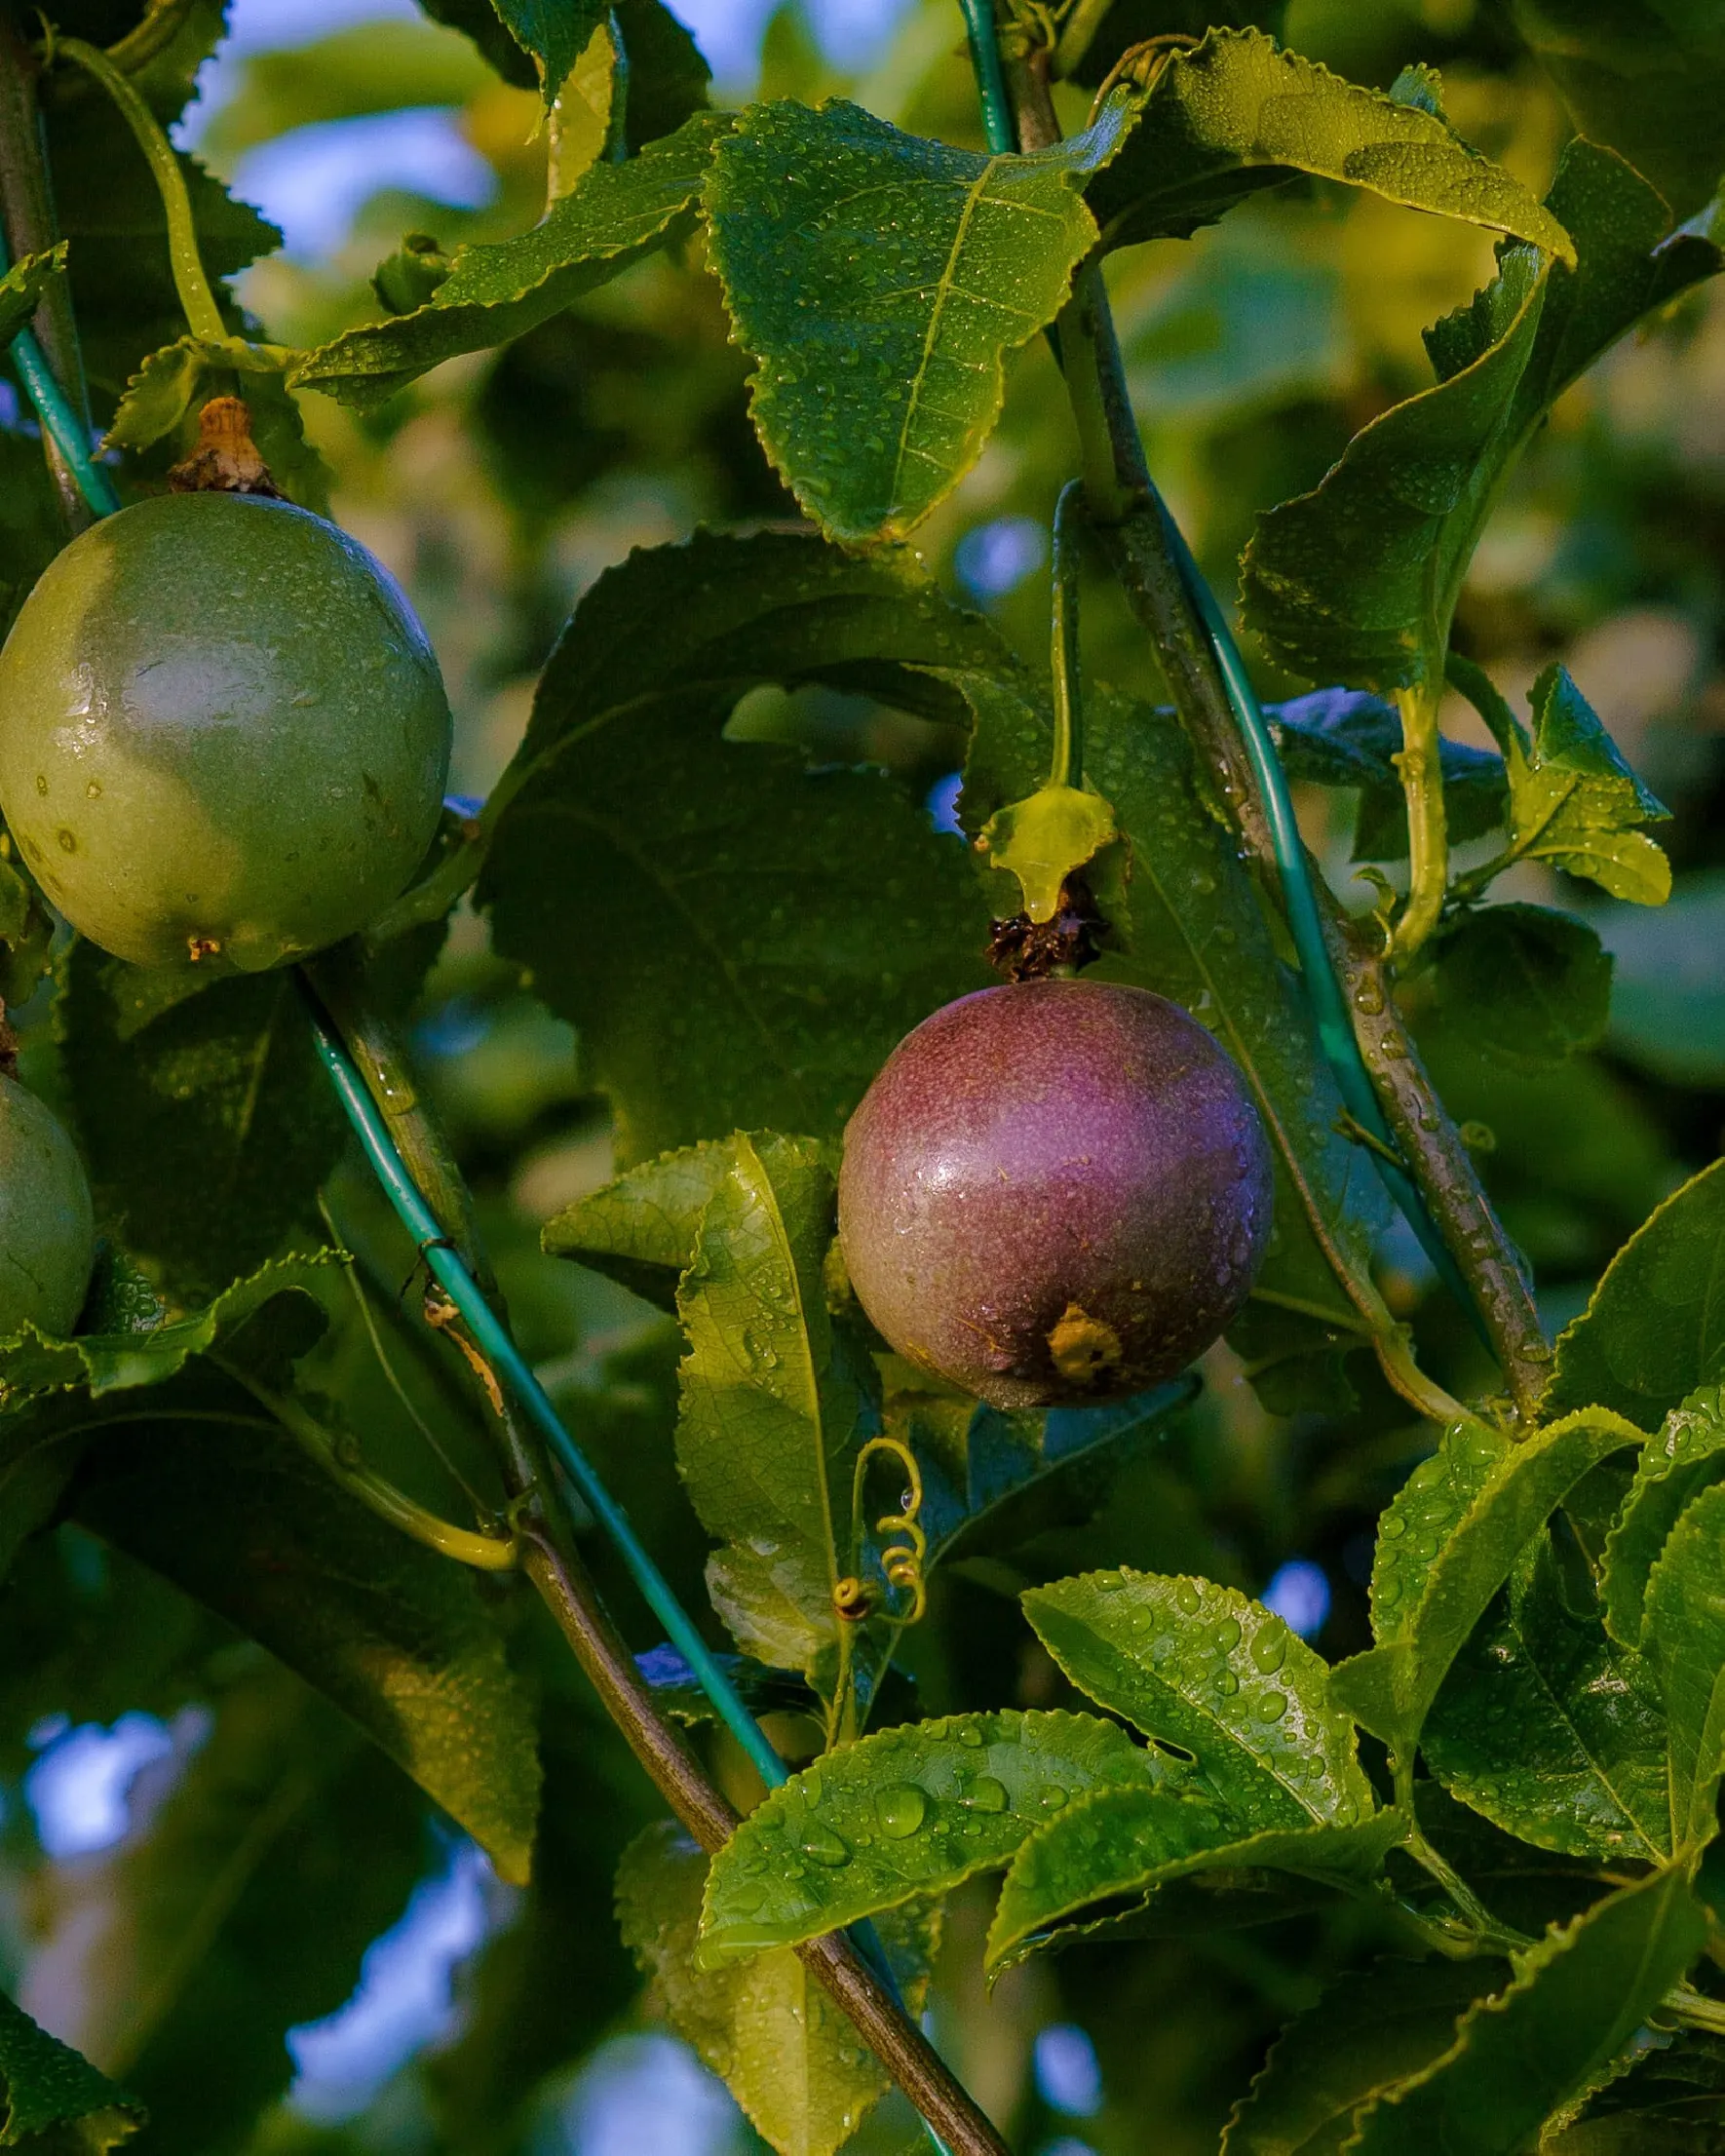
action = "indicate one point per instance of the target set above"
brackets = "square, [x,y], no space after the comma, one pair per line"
[222,733]
[47,1234]
[1055,1191]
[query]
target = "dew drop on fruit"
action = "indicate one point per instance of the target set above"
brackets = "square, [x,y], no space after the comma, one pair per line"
[900,1808]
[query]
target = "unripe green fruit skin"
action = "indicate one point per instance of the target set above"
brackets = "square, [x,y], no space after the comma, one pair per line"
[1058,1191]
[47,1230]
[223,735]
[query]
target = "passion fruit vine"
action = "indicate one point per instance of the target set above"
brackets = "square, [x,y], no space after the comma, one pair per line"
[1058,1190]
[223,735]
[47,1231]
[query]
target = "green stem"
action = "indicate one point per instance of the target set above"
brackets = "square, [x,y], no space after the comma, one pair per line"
[1077,33]
[196,298]
[486,1553]
[148,40]
[1066,767]
[984,33]
[1420,763]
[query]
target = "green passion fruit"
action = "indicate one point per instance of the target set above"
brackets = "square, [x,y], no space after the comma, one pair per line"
[47,1231]
[1058,1191]
[223,735]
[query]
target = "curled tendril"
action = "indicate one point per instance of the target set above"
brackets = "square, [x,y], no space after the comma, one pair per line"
[902,1561]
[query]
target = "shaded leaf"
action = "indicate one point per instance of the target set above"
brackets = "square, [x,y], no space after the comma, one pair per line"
[1457,1536]
[240,1910]
[1371,2029]
[498,291]
[1239,114]
[1551,1729]
[205,1123]
[907,1812]
[1132,1841]
[643,1228]
[1654,1328]
[1686,1457]
[786,2053]
[880,279]
[1523,983]
[22,287]
[396,1636]
[1358,581]
[1645,76]
[54,2099]
[763,899]
[1683,1637]
[1350,738]
[1197,934]
[1578,1998]
[1205,1669]
[108,1362]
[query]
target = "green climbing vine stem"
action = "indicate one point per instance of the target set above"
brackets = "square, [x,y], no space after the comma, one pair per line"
[1066,766]
[1428,836]
[196,295]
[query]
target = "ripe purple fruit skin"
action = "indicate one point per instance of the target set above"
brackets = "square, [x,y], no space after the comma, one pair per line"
[1055,1192]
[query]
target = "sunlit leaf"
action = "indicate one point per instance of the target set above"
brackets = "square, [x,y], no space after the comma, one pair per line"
[1683,1637]
[22,285]
[911,1811]
[1204,1669]
[1686,1457]
[880,279]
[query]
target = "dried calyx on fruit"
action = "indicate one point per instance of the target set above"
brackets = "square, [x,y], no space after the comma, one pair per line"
[1055,1191]
[223,735]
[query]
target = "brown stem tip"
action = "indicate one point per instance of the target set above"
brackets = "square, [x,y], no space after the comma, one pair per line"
[226,460]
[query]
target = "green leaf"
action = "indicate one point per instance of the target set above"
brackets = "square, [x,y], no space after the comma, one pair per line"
[1683,1637]
[1134,1841]
[1578,1999]
[1195,932]
[1687,1456]
[552,33]
[765,2026]
[240,1910]
[1576,803]
[55,2100]
[789,927]
[1348,737]
[1358,581]
[1645,76]
[396,1636]
[1551,1729]
[880,279]
[495,293]
[1041,840]
[1667,1015]
[107,1362]
[205,1123]
[1523,983]
[771,1410]
[22,287]
[1654,1328]
[1205,1669]
[1239,114]
[911,1811]
[643,1228]
[1371,2029]
[1458,1528]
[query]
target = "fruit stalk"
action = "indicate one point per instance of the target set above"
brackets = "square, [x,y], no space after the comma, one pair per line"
[527,1444]
[27,211]
[1135,531]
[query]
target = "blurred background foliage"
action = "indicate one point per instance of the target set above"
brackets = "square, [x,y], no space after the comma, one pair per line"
[195,1856]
